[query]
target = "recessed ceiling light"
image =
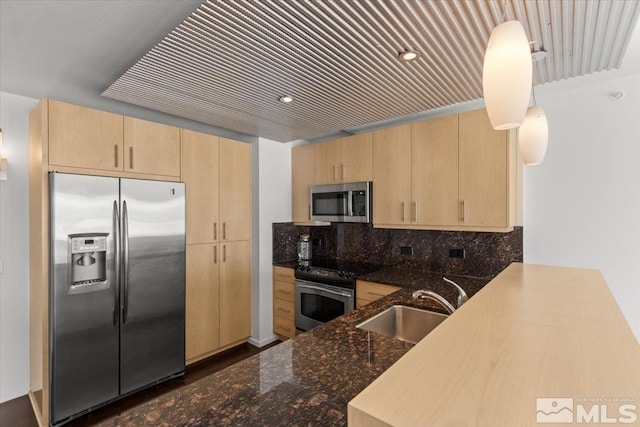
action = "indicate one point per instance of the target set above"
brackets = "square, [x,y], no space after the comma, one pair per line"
[408,55]
[286,99]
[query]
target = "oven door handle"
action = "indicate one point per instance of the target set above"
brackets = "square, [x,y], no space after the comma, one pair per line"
[329,291]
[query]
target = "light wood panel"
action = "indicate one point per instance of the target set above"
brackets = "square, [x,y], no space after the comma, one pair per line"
[328,157]
[151,148]
[371,291]
[202,299]
[235,292]
[284,302]
[434,171]
[284,309]
[284,328]
[39,261]
[484,159]
[283,274]
[283,290]
[357,158]
[235,190]
[200,171]
[392,175]
[302,177]
[533,332]
[85,138]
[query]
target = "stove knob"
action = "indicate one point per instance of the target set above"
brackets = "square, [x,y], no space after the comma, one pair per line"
[341,274]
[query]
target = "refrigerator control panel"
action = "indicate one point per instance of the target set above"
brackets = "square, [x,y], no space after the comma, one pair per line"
[88,244]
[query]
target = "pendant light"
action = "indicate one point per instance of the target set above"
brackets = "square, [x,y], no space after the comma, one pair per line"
[507,75]
[533,136]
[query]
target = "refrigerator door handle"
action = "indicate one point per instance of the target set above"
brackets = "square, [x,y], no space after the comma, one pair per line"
[125,261]
[116,281]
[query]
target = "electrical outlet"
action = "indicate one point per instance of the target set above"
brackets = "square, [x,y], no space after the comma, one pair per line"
[316,242]
[406,250]
[456,253]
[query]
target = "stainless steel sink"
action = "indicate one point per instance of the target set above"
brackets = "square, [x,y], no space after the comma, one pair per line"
[404,323]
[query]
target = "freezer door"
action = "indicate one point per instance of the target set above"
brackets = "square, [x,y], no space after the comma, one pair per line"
[153,282]
[83,292]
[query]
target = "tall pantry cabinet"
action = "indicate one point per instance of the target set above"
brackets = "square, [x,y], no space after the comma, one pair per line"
[217,176]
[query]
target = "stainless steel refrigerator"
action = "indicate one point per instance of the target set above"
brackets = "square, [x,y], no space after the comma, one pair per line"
[117,288]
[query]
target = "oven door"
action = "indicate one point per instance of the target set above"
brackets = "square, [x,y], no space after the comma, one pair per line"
[317,303]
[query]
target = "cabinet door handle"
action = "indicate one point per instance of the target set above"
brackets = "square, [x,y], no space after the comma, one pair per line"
[130,157]
[415,211]
[215,254]
[402,211]
[335,173]
[284,310]
[224,231]
[115,150]
[343,172]
[282,291]
[284,276]
[215,231]
[463,210]
[309,217]
[224,253]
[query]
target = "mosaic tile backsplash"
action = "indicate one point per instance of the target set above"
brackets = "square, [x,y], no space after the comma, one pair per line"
[486,254]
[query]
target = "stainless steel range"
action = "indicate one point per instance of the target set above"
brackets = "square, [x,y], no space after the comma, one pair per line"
[326,289]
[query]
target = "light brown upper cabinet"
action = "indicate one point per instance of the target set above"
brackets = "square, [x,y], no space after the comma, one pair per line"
[302,177]
[434,171]
[447,173]
[217,174]
[200,172]
[392,175]
[235,190]
[84,138]
[151,148]
[344,160]
[487,173]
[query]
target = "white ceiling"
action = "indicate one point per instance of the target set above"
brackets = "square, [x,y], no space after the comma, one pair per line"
[227,63]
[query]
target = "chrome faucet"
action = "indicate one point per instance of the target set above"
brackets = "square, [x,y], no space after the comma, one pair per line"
[422,294]
[462,296]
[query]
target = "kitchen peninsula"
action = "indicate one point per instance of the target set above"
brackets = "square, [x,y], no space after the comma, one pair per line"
[510,343]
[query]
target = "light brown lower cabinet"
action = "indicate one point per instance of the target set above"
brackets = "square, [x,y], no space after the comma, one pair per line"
[367,292]
[218,297]
[283,302]
[235,292]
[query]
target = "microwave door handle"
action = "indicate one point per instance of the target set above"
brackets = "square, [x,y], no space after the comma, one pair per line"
[324,290]
[350,203]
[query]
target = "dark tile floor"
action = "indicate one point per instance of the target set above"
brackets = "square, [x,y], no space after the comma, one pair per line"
[18,412]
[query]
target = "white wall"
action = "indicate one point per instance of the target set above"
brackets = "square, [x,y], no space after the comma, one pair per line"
[582,205]
[14,248]
[274,205]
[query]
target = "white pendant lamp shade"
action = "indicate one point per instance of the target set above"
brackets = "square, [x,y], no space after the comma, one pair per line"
[533,136]
[506,75]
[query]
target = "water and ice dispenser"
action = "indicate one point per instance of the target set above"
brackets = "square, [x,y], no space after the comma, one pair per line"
[88,262]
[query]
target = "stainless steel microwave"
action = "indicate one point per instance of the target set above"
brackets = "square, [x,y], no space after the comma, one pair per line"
[349,202]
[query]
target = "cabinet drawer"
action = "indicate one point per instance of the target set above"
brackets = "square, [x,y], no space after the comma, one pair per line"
[284,327]
[284,291]
[372,291]
[283,274]
[283,309]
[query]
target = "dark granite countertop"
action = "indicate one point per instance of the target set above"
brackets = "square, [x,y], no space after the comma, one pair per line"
[308,380]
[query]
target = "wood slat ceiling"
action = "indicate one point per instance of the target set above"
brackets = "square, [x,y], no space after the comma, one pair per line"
[229,62]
